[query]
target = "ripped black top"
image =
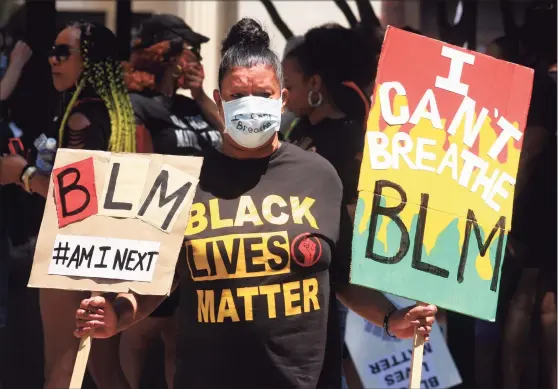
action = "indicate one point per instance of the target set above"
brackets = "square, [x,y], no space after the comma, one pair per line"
[96,135]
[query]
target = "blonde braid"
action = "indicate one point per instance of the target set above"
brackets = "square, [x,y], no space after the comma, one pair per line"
[118,134]
[69,111]
[127,107]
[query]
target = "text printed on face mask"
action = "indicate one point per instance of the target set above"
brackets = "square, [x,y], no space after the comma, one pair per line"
[244,128]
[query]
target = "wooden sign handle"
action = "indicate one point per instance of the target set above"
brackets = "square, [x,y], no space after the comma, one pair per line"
[416,361]
[81,359]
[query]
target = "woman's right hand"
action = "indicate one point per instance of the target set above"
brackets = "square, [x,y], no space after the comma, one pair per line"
[96,317]
[21,54]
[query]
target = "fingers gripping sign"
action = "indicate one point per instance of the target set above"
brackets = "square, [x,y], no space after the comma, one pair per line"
[405,322]
[96,318]
[85,342]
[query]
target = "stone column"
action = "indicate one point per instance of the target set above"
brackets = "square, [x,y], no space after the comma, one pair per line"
[400,13]
[393,13]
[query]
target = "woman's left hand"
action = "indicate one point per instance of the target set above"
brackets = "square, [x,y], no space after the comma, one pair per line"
[402,323]
[194,76]
[11,167]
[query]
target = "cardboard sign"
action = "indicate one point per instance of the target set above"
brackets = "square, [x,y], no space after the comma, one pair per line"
[438,173]
[102,231]
[385,362]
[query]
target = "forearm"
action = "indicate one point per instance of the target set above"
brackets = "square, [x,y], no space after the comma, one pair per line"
[368,303]
[131,308]
[209,110]
[39,184]
[9,81]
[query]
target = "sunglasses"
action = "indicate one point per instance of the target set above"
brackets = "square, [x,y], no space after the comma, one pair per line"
[62,52]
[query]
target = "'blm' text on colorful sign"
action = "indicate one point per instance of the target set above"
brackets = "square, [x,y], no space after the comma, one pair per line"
[438,173]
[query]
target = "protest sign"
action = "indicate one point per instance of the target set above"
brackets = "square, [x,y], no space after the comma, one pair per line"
[385,362]
[437,178]
[114,222]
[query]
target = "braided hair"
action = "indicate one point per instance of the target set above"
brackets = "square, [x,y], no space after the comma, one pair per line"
[103,73]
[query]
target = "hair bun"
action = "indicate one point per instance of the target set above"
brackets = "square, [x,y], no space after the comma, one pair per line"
[247,32]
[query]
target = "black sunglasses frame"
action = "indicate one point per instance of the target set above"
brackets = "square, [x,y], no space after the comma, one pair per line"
[62,52]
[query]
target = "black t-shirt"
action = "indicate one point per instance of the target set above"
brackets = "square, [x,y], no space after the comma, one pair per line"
[341,142]
[177,125]
[265,251]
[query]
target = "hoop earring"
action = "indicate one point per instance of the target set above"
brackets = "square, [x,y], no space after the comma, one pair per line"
[317,103]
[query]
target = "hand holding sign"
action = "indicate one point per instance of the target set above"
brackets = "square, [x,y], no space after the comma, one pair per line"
[96,314]
[406,322]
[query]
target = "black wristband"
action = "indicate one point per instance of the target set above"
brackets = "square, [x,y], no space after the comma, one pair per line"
[386,320]
[23,172]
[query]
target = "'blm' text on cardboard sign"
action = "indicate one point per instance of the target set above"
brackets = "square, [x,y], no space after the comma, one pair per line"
[158,203]
[114,222]
[438,173]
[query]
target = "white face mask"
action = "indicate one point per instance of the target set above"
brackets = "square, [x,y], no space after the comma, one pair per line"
[252,120]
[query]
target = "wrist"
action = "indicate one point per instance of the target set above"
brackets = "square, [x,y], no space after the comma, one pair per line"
[197,94]
[387,318]
[16,66]
[124,311]
[26,175]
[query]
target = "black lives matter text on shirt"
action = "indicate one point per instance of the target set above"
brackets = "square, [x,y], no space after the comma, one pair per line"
[262,258]
[177,125]
[341,142]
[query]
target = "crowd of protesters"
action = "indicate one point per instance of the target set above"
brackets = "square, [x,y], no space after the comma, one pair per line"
[325,80]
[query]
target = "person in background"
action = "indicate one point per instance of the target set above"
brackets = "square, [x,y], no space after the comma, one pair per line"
[527,308]
[165,58]
[288,118]
[19,57]
[487,334]
[21,212]
[10,74]
[331,96]
[259,320]
[99,116]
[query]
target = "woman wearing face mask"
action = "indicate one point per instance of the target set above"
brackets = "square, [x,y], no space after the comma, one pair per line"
[263,255]
[166,58]
[99,116]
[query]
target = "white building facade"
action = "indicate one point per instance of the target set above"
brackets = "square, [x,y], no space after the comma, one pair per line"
[214,18]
